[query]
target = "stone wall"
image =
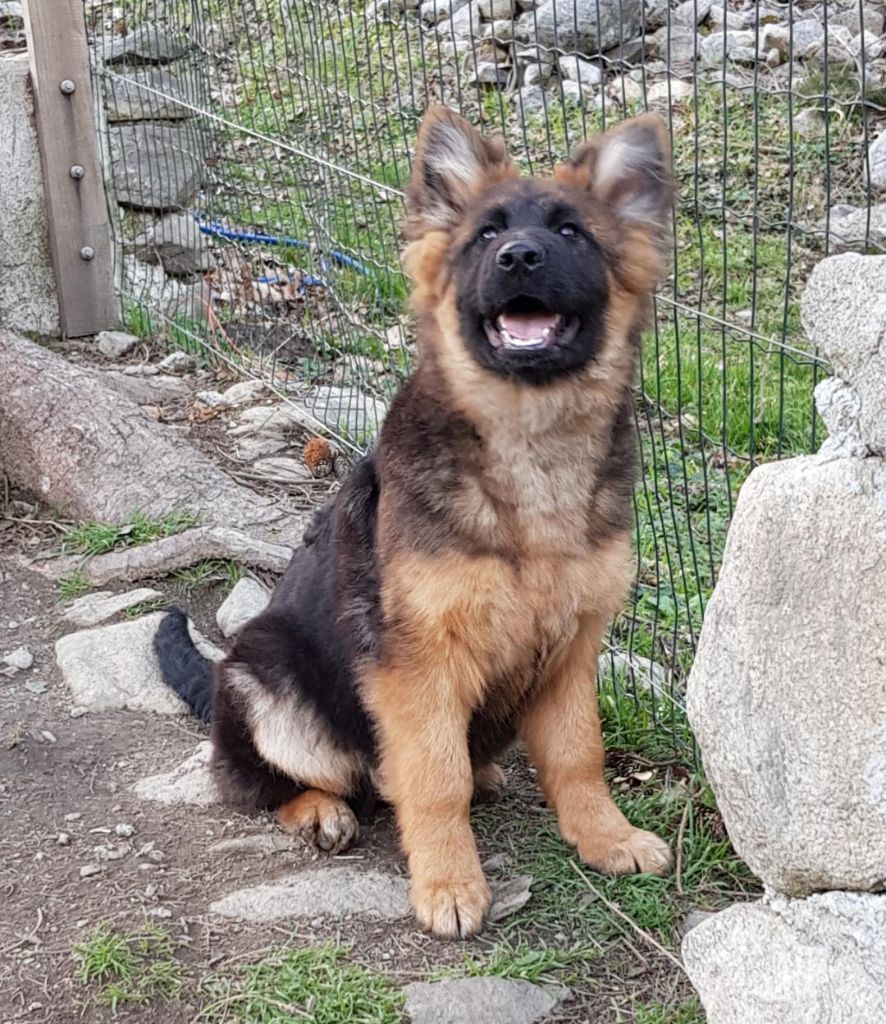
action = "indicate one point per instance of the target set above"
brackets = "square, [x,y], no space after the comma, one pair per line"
[27,284]
[787,697]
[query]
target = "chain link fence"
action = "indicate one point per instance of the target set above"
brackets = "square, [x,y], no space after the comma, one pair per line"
[259,151]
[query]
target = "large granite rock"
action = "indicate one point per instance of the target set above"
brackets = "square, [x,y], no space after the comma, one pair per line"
[134,97]
[787,695]
[779,961]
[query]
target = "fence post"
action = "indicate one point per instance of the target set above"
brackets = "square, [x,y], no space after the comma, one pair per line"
[79,230]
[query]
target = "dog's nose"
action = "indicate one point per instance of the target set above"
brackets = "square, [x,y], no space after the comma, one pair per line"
[520,254]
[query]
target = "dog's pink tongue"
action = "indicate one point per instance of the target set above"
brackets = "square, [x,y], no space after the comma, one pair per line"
[532,325]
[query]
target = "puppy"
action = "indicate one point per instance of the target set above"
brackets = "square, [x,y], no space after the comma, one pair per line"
[453,596]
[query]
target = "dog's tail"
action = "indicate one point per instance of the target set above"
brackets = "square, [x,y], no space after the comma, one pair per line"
[183,667]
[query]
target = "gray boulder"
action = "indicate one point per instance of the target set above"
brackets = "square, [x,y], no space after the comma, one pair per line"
[844,313]
[587,26]
[786,693]
[780,961]
[156,166]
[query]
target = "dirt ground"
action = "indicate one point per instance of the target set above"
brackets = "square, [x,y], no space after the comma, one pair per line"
[64,789]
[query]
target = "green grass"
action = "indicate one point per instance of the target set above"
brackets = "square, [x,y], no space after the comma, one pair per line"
[145,608]
[210,571]
[73,585]
[540,965]
[562,904]
[91,539]
[295,986]
[137,966]
[688,1012]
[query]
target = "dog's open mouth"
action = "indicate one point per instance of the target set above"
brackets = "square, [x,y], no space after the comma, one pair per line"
[527,324]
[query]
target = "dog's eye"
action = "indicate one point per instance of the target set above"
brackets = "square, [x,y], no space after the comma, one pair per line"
[489,232]
[568,230]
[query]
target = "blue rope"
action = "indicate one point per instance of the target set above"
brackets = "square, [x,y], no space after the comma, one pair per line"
[219,231]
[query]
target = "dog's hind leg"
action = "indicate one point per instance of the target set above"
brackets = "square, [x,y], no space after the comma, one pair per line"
[322,819]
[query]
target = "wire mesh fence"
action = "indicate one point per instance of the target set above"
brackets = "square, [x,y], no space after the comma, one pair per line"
[280,131]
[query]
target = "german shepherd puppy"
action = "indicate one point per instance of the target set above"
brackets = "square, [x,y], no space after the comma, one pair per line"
[453,595]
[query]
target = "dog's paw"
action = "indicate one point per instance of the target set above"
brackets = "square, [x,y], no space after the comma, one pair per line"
[627,852]
[489,784]
[451,908]
[321,819]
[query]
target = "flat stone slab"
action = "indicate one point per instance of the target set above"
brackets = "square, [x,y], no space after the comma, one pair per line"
[247,599]
[480,1001]
[113,667]
[156,166]
[780,961]
[336,892]
[93,609]
[190,783]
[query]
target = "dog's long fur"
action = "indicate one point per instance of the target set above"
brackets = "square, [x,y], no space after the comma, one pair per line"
[454,594]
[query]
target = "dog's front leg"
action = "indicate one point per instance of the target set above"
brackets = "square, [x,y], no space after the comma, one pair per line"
[422,710]
[564,740]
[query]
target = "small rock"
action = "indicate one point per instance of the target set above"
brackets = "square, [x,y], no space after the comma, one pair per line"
[63,838]
[576,69]
[115,344]
[162,912]
[510,896]
[530,100]
[124,829]
[73,816]
[572,92]
[719,15]
[50,737]
[88,870]
[177,244]
[536,74]
[79,711]
[713,48]
[674,90]
[251,448]
[190,783]
[867,46]
[21,658]
[465,22]
[481,1001]
[492,10]
[247,599]
[692,12]
[489,73]
[36,686]
[326,893]
[283,470]
[177,362]
[92,609]
[262,844]
[853,228]
[211,399]
[244,391]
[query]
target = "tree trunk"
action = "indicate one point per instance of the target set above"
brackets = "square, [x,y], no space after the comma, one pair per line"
[89,451]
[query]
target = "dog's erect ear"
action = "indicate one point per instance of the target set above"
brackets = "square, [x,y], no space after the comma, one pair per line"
[629,170]
[453,163]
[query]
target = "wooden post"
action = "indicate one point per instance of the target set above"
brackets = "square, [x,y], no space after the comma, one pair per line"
[80,235]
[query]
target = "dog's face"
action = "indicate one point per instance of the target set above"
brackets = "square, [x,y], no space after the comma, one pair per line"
[532,266]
